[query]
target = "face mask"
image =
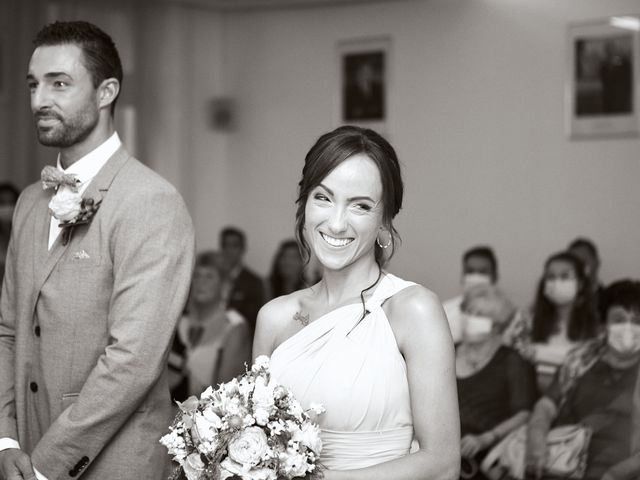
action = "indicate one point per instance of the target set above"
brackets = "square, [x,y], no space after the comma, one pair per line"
[477,329]
[6,213]
[624,337]
[561,292]
[470,280]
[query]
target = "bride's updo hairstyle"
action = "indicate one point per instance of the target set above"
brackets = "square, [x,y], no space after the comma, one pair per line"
[331,150]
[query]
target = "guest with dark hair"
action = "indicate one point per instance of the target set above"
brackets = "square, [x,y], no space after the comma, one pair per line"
[496,386]
[587,252]
[595,387]
[8,198]
[212,343]
[287,270]
[479,267]
[243,290]
[563,316]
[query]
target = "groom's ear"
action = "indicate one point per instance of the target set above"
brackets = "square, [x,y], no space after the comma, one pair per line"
[108,92]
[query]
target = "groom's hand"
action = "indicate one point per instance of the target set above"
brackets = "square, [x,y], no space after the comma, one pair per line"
[15,465]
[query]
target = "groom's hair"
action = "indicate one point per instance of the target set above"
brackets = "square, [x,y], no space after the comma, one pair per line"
[101,57]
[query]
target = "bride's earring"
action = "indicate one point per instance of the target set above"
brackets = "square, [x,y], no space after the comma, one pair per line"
[386,245]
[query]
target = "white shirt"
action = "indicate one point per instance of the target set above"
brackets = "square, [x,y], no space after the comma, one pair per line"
[85,169]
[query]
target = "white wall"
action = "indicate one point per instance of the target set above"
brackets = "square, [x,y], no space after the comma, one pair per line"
[476,116]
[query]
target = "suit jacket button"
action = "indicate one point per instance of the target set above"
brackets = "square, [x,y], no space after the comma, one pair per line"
[37,331]
[33,386]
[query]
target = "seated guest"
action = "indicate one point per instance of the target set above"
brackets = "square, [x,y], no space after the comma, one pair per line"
[244,290]
[479,267]
[496,386]
[287,271]
[563,316]
[594,387]
[8,198]
[212,343]
[586,250]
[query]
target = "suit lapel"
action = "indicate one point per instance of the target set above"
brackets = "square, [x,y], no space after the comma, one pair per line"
[97,189]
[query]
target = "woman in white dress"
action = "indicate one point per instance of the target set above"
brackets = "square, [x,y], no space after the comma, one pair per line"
[374,349]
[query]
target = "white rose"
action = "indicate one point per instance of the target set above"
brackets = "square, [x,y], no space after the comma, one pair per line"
[229,468]
[309,436]
[65,204]
[293,463]
[248,447]
[193,466]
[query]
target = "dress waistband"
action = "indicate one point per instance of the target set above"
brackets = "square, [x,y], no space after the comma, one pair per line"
[351,450]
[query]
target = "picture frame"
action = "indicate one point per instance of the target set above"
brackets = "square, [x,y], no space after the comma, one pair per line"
[363,82]
[602,89]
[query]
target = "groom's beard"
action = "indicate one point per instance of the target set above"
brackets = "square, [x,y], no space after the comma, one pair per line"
[68,131]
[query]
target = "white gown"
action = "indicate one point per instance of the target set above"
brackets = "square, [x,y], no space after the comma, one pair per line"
[358,374]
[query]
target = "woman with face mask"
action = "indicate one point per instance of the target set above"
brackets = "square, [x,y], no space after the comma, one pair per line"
[563,316]
[496,386]
[594,387]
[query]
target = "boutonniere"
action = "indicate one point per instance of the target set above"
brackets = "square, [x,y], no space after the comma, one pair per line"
[72,210]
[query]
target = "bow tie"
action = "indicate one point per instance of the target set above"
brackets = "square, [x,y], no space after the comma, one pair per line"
[53,178]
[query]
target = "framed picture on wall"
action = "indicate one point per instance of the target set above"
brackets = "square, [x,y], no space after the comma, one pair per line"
[363,82]
[602,93]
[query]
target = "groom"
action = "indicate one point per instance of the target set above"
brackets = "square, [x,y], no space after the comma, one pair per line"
[88,309]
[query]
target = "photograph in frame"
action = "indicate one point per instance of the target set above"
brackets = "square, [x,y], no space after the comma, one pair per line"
[602,78]
[363,82]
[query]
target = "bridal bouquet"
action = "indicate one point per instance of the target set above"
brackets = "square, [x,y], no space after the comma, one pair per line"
[250,428]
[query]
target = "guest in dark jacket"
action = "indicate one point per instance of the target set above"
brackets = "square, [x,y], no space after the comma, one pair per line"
[243,290]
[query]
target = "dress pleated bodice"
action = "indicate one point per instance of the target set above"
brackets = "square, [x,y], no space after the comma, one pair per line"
[356,371]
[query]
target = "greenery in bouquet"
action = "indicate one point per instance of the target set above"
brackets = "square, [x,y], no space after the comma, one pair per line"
[249,428]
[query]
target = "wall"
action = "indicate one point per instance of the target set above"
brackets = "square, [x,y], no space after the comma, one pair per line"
[476,116]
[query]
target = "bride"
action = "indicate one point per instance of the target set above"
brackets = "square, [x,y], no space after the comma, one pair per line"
[373,349]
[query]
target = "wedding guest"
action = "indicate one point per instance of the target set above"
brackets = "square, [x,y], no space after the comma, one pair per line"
[87,313]
[594,387]
[586,250]
[374,349]
[212,343]
[287,270]
[479,267]
[244,290]
[563,316]
[8,198]
[496,386]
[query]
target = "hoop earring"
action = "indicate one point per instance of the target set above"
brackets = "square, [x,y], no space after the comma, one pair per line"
[387,245]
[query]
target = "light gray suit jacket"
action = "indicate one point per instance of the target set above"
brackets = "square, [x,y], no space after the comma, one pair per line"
[85,329]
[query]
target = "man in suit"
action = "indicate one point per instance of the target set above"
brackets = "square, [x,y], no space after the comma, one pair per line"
[88,310]
[244,290]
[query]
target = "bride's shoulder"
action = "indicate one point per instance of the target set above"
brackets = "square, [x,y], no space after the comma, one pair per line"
[415,304]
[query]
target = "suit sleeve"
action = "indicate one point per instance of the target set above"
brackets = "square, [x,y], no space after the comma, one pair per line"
[152,248]
[8,427]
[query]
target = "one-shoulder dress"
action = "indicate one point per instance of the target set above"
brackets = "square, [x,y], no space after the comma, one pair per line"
[353,367]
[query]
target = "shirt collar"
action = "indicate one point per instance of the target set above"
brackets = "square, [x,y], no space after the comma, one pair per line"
[88,166]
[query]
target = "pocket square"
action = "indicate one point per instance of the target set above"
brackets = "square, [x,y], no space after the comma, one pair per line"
[81,255]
